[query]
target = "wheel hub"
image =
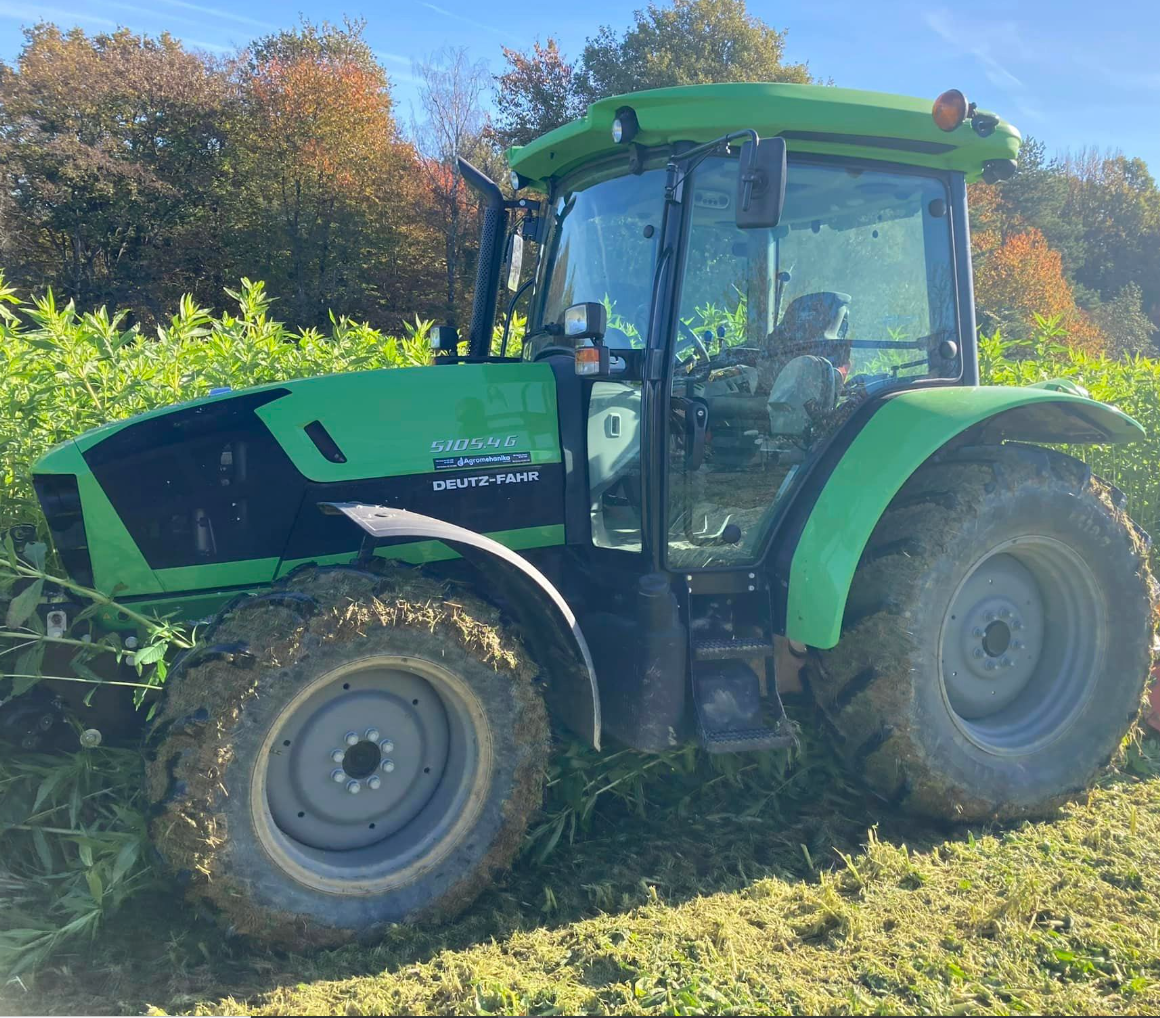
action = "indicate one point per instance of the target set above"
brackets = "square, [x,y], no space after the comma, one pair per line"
[994,639]
[357,760]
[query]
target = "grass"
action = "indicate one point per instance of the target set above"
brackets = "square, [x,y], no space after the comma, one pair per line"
[819,904]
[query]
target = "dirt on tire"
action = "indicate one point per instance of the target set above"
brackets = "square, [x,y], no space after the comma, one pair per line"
[255,654]
[879,688]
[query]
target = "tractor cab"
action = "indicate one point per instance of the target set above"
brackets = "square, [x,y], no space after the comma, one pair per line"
[726,275]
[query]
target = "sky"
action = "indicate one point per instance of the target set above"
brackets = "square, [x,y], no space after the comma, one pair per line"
[1070,72]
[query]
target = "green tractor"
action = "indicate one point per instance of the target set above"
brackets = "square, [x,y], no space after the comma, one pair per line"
[743,450]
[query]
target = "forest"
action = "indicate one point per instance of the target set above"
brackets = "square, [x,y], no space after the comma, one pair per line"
[135,171]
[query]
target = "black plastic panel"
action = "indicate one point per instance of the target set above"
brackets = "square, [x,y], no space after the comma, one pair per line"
[209,483]
[60,499]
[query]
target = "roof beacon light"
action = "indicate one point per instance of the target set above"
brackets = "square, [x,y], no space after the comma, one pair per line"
[625,126]
[950,109]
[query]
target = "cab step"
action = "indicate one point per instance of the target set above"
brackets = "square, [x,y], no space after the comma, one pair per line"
[726,649]
[728,705]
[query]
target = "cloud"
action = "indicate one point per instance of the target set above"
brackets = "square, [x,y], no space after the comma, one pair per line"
[33,13]
[460,17]
[972,41]
[153,13]
[215,12]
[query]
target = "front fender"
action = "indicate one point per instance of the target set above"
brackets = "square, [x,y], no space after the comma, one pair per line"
[548,624]
[905,431]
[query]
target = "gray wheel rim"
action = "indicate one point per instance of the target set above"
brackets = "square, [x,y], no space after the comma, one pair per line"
[1021,644]
[369,775]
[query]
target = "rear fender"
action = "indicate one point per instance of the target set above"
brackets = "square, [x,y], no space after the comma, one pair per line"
[905,431]
[547,623]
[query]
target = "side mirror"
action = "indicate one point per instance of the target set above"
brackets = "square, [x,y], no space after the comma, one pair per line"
[761,184]
[586,321]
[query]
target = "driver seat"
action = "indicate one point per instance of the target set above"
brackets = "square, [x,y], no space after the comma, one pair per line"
[806,387]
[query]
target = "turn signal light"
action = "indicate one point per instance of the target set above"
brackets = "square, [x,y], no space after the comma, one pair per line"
[588,360]
[950,109]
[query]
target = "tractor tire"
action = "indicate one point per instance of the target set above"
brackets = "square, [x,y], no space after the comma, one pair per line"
[345,752]
[997,637]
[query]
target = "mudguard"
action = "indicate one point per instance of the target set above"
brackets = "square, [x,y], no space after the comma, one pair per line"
[905,431]
[549,625]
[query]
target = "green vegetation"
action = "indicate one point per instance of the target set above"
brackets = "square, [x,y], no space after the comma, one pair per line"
[757,895]
[687,885]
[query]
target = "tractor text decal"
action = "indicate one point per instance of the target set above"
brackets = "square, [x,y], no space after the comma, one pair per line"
[491,459]
[483,480]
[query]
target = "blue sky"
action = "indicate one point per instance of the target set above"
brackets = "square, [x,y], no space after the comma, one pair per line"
[1070,72]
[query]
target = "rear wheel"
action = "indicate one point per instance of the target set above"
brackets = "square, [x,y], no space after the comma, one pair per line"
[997,637]
[349,752]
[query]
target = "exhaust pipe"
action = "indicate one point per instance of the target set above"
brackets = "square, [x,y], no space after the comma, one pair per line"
[491,250]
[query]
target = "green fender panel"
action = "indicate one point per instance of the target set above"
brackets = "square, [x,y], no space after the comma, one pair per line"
[900,437]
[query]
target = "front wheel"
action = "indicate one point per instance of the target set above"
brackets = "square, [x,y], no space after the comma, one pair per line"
[997,637]
[348,752]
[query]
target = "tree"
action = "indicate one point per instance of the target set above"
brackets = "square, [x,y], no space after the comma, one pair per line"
[1021,277]
[451,90]
[538,92]
[112,150]
[1116,203]
[690,42]
[328,184]
[1123,321]
[687,42]
[1035,198]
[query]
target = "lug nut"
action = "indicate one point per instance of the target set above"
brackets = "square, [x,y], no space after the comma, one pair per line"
[1017,624]
[1006,662]
[338,775]
[388,766]
[351,738]
[373,782]
[978,652]
[991,616]
[337,755]
[353,787]
[1018,644]
[387,746]
[976,631]
[372,735]
[990,665]
[1005,613]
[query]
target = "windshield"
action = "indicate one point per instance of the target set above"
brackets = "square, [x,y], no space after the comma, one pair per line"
[603,247]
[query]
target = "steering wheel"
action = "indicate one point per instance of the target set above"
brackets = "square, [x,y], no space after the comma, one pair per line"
[689,334]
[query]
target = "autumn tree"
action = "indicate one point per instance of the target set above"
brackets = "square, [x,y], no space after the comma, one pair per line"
[538,91]
[112,150]
[322,168]
[1020,276]
[684,42]
[451,96]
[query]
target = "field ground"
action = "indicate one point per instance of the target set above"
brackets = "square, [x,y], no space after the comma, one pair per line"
[818,903]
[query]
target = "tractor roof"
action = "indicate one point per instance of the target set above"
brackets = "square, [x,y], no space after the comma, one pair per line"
[812,118]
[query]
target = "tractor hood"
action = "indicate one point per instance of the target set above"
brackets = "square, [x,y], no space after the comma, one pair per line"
[223,491]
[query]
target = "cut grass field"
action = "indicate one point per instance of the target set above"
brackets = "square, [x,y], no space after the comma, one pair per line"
[816,902]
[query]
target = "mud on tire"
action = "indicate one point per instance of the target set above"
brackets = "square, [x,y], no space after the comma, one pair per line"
[997,637]
[251,770]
